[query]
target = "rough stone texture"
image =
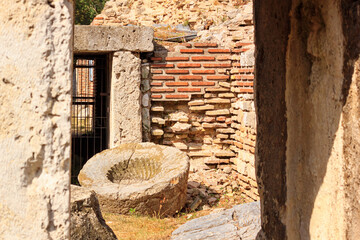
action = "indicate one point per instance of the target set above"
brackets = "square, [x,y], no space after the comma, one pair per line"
[87,222]
[113,39]
[318,118]
[240,222]
[125,100]
[35,77]
[146,177]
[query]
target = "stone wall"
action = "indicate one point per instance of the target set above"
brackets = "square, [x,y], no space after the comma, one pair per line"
[202,103]
[35,82]
[307,98]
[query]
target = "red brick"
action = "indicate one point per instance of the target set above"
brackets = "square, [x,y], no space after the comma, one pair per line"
[205,45]
[174,59]
[162,65]
[240,50]
[203,71]
[188,65]
[162,77]
[203,58]
[190,77]
[246,90]
[217,77]
[99,18]
[203,84]
[223,58]
[156,71]
[169,84]
[215,50]
[156,96]
[156,84]
[217,65]
[162,90]
[240,44]
[176,71]
[221,119]
[191,50]
[189,89]
[177,96]
[156,59]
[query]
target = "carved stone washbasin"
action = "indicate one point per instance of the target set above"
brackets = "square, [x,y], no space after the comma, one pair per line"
[143,178]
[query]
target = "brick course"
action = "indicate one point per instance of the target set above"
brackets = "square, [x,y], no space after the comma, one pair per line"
[214,102]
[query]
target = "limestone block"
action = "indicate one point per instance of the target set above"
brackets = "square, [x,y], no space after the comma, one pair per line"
[157,132]
[178,116]
[225,130]
[157,109]
[196,103]
[218,112]
[145,71]
[145,85]
[145,100]
[248,58]
[226,95]
[158,120]
[35,98]
[125,109]
[200,154]
[180,127]
[113,39]
[149,178]
[217,100]
[249,119]
[202,108]
[224,84]
[251,171]
[225,153]
[87,221]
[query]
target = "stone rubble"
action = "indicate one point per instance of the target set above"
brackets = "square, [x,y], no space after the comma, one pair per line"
[206,187]
[221,21]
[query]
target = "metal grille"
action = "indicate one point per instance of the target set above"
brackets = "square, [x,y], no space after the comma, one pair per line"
[89,112]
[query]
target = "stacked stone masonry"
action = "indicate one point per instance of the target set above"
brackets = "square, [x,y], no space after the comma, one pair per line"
[198,97]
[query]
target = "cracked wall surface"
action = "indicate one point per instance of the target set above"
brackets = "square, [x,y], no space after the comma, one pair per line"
[35,77]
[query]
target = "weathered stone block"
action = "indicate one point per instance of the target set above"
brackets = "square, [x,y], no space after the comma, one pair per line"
[87,221]
[113,39]
[149,178]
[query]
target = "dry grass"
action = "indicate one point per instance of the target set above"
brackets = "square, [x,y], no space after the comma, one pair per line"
[135,227]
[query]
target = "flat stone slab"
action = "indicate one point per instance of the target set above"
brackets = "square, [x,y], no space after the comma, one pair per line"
[240,222]
[113,39]
[143,177]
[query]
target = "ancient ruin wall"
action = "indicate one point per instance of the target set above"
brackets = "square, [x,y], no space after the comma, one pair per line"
[202,103]
[35,82]
[307,176]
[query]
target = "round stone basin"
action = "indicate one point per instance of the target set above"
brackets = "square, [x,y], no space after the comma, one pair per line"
[144,178]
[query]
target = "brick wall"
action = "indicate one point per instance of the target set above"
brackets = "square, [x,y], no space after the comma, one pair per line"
[202,103]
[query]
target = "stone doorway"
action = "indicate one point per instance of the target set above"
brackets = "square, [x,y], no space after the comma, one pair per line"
[90,110]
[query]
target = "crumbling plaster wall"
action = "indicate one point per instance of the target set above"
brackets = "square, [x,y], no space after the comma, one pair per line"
[35,77]
[309,175]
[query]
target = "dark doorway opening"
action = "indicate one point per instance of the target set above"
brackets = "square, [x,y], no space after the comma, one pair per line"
[89,110]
